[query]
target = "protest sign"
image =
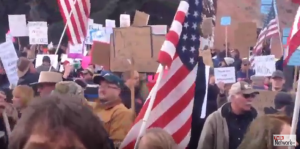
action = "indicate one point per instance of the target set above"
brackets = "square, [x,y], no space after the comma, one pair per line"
[264,65]
[9,60]
[207,27]
[140,19]
[110,23]
[17,25]
[226,20]
[206,56]
[245,37]
[124,20]
[264,9]
[263,99]
[102,35]
[136,43]
[86,60]
[90,28]
[225,75]
[53,58]
[101,54]
[76,50]
[38,33]
[159,29]
[157,42]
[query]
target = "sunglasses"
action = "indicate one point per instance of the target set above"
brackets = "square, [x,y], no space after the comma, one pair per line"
[249,95]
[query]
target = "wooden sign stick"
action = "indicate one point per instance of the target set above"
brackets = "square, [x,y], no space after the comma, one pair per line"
[132,86]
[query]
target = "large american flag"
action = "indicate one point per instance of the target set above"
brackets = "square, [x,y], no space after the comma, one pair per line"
[293,41]
[174,100]
[77,26]
[270,28]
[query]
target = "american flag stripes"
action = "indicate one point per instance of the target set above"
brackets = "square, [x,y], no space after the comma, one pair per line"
[174,100]
[270,28]
[77,26]
[293,41]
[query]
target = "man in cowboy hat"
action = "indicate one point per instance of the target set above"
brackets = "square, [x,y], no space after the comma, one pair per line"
[47,81]
[116,117]
[26,72]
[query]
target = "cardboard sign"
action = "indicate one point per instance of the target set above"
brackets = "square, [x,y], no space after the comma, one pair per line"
[207,26]
[245,37]
[206,56]
[101,54]
[265,99]
[140,19]
[246,34]
[136,43]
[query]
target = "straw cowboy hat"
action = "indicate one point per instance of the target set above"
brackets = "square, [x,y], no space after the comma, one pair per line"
[23,66]
[49,77]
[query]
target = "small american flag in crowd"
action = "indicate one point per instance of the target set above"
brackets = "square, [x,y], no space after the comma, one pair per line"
[270,28]
[78,24]
[174,100]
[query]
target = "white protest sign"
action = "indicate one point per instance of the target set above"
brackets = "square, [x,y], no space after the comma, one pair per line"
[93,28]
[124,20]
[64,57]
[225,75]
[90,27]
[9,60]
[101,36]
[159,29]
[110,23]
[76,50]
[17,25]
[53,58]
[264,65]
[38,32]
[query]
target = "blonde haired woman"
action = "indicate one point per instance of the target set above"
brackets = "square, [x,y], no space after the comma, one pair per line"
[22,95]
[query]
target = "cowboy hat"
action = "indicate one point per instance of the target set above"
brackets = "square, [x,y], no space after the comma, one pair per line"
[49,77]
[23,65]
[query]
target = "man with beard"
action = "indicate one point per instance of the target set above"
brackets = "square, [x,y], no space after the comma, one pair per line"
[132,82]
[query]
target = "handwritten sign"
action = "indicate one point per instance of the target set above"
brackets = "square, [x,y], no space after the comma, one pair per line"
[225,75]
[264,65]
[9,60]
[137,43]
[38,32]
[17,25]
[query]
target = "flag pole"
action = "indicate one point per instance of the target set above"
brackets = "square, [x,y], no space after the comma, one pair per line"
[277,19]
[152,96]
[65,28]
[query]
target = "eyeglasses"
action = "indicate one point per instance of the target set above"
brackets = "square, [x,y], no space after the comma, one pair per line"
[249,95]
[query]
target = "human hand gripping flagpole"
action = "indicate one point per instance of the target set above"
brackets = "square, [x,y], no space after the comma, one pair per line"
[65,28]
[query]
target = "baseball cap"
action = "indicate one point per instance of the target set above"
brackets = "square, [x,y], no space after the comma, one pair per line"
[109,77]
[46,59]
[283,99]
[242,87]
[277,74]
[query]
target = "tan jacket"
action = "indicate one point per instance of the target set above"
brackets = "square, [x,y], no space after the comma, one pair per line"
[215,133]
[117,121]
